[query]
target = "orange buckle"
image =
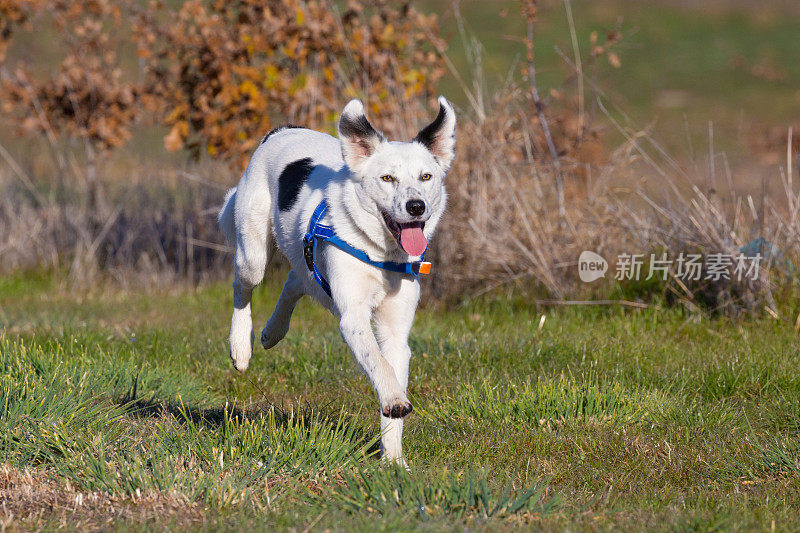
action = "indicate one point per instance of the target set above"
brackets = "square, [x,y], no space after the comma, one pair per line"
[423,267]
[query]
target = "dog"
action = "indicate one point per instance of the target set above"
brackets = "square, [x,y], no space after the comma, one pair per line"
[383,199]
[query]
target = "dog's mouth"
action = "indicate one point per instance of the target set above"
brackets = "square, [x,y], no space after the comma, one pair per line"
[408,235]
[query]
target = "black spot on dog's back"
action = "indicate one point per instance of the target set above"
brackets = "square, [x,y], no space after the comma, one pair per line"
[291,181]
[276,130]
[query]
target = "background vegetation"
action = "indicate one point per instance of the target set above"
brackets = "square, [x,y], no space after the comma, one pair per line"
[561,144]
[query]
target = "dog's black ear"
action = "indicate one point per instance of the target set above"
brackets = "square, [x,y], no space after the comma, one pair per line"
[359,139]
[439,137]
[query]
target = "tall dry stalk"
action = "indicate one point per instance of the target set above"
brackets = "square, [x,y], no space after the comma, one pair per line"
[529,12]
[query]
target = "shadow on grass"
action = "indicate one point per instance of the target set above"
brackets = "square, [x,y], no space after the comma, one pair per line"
[214,418]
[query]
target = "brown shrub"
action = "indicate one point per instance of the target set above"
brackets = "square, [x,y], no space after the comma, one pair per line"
[87,97]
[223,72]
[13,15]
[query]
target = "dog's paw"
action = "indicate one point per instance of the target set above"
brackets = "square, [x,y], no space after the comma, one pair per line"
[396,461]
[397,408]
[240,360]
[272,335]
[241,343]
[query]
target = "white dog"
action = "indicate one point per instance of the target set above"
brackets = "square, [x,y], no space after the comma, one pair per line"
[374,205]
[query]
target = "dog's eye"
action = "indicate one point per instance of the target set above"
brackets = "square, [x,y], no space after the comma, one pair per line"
[425,177]
[387,178]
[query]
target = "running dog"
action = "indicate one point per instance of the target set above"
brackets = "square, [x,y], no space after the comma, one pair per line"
[353,216]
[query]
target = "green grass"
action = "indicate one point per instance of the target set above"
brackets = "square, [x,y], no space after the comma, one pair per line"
[601,419]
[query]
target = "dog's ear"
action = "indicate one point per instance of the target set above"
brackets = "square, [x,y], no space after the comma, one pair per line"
[439,137]
[359,139]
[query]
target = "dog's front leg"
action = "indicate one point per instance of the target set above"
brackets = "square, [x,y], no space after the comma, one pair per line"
[354,325]
[393,320]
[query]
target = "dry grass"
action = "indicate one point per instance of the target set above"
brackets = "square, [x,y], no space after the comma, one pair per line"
[139,234]
[502,228]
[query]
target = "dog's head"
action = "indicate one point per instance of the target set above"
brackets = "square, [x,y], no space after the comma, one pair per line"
[401,183]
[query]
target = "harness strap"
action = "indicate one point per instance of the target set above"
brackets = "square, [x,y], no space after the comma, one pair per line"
[321,232]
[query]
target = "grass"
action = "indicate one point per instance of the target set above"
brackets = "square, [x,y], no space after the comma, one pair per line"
[123,406]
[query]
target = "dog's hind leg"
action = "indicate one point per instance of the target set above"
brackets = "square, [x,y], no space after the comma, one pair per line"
[278,324]
[241,337]
[252,226]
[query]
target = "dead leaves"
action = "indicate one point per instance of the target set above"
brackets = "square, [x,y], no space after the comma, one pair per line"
[87,96]
[232,68]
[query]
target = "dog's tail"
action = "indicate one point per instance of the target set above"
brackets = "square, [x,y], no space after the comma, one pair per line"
[225,217]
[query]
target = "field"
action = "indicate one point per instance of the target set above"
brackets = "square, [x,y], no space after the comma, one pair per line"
[120,410]
[678,410]
[682,64]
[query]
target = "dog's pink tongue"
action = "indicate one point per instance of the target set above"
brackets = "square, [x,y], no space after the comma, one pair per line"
[413,240]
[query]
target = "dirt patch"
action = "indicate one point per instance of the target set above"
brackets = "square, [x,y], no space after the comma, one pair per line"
[30,500]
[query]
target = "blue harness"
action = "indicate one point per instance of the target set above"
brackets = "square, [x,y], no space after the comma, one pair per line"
[321,232]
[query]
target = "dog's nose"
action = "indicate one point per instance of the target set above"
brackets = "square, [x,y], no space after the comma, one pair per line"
[415,207]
